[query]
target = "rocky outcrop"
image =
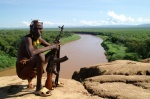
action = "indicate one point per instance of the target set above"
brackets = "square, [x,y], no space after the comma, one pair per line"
[146,60]
[121,79]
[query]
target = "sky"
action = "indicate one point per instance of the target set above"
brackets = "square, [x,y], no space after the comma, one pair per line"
[70,13]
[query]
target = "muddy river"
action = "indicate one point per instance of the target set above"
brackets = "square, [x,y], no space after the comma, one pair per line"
[86,51]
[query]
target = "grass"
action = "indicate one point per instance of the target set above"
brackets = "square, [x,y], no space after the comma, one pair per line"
[114,51]
[69,39]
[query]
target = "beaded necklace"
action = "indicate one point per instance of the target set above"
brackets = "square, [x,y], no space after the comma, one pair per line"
[36,43]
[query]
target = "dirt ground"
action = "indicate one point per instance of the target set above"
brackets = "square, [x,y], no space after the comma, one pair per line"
[11,87]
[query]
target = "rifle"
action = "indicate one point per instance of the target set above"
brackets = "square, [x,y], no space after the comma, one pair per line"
[58,56]
[54,54]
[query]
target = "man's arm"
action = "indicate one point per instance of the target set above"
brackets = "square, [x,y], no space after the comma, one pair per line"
[32,51]
[44,43]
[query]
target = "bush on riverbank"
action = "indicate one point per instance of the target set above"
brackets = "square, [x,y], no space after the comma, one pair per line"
[114,51]
[6,61]
[70,38]
[131,45]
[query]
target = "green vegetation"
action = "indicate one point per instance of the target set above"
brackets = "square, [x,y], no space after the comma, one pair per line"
[119,43]
[123,43]
[70,38]
[7,61]
[10,39]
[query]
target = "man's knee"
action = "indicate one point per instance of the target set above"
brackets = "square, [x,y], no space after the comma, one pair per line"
[41,57]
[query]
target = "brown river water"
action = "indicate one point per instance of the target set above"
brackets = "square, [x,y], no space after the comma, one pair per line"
[86,51]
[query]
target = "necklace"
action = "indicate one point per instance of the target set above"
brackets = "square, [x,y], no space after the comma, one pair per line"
[36,43]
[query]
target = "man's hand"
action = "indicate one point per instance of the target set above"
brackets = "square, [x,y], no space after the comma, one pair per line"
[55,46]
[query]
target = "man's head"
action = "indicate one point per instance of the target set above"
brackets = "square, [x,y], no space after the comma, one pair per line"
[36,27]
[36,24]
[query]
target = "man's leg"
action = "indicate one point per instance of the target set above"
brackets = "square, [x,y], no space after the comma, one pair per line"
[39,70]
[35,68]
[26,70]
[30,85]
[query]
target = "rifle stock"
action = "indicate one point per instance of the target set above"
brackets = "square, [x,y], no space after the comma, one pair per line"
[49,69]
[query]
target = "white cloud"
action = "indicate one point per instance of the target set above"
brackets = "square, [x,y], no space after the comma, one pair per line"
[143,20]
[48,23]
[45,23]
[84,22]
[120,18]
[25,23]
[95,23]
[114,19]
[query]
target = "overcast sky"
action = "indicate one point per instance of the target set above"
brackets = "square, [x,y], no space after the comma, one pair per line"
[19,13]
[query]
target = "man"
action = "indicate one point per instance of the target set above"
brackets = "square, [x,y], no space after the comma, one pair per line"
[30,59]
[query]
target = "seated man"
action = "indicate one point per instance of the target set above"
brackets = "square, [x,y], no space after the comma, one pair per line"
[30,59]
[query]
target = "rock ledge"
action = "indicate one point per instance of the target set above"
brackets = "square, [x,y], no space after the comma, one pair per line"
[121,79]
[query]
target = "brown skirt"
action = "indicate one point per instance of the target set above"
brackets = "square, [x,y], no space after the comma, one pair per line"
[25,71]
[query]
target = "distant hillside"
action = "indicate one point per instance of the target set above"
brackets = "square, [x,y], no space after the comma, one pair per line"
[145,25]
[112,26]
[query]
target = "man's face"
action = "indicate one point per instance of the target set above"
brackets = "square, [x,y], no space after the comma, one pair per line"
[37,30]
